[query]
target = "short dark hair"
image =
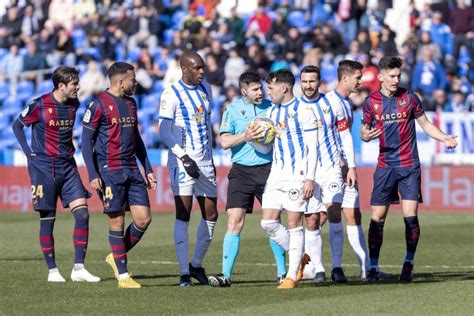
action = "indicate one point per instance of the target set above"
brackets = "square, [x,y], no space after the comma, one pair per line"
[311,69]
[249,77]
[390,62]
[64,75]
[119,68]
[282,76]
[347,67]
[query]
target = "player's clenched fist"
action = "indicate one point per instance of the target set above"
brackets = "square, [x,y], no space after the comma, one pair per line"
[190,166]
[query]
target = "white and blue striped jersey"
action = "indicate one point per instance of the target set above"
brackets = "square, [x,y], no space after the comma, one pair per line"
[189,109]
[294,121]
[346,104]
[330,117]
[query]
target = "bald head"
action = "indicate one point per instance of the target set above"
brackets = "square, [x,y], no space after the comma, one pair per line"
[192,66]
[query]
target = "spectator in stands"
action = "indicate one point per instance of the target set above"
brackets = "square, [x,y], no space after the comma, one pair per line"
[261,21]
[30,25]
[63,53]
[425,43]
[369,74]
[461,21]
[11,27]
[92,81]
[191,28]
[387,42]
[294,47]
[354,52]
[441,34]
[12,66]
[214,74]
[45,42]
[363,39]
[234,66]
[218,53]
[61,14]
[144,29]
[429,75]
[457,103]
[236,26]
[33,61]
[437,102]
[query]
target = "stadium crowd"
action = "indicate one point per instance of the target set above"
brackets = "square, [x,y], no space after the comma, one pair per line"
[38,36]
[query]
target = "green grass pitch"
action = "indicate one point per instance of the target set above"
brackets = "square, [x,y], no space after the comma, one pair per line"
[443,284]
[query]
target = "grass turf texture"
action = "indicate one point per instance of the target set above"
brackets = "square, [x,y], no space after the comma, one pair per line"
[444,273]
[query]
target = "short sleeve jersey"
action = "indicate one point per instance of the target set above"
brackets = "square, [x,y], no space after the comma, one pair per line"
[290,152]
[395,117]
[52,125]
[114,120]
[189,108]
[235,120]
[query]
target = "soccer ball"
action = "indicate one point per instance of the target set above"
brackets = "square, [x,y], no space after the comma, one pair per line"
[267,127]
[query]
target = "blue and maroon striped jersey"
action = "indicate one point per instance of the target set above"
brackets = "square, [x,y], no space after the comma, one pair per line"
[52,125]
[114,120]
[395,117]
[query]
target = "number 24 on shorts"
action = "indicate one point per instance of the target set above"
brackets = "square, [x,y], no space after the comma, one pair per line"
[37,191]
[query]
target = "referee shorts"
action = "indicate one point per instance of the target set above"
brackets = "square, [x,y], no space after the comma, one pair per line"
[245,183]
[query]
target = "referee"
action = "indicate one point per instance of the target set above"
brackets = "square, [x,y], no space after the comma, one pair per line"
[249,172]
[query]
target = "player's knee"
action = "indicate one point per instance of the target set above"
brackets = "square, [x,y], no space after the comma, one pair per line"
[269,226]
[81,213]
[143,223]
[212,216]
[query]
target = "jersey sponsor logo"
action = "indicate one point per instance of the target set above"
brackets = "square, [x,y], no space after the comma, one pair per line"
[280,128]
[62,124]
[87,116]
[390,118]
[125,121]
[294,194]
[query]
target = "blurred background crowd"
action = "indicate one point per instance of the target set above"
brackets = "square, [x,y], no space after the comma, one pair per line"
[434,38]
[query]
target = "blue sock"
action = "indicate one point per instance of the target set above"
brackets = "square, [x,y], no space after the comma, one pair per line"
[118,250]
[412,235]
[280,257]
[46,238]
[80,237]
[132,236]
[229,253]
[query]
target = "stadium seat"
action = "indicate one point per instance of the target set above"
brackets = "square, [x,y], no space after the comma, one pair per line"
[177,18]
[134,54]
[3,53]
[93,52]
[297,19]
[150,101]
[45,86]
[79,38]
[4,90]
[24,89]
[158,87]
[168,37]
[120,52]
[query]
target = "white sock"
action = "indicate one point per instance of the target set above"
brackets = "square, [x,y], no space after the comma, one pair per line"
[314,248]
[277,232]
[181,245]
[336,240]
[123,276]
[355,234]
[204,236]
[295,251]
[53,270]
[78,266]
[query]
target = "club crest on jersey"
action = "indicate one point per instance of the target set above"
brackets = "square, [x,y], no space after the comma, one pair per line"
[199,115]
[402,102]
[280,128]
[204,96]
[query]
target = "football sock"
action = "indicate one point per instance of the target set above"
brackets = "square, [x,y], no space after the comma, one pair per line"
[412,235]
[375,241]
[336,240]
[296,251]
[118,250]
[277,232]
[355,234]
[80,235]
[204,236]
[132,236]
[181,245]
[280,257]
[46,238]
[314,248]
[230,252]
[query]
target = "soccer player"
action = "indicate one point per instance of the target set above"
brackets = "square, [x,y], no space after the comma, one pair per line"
[249,172]
[185,111]
[329,111]
[53,170]
[389,114]
[111,143]
[291,180]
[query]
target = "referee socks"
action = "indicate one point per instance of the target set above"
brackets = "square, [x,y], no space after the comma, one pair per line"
[230,252]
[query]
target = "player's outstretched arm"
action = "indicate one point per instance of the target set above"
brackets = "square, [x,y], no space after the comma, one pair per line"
[434,132]
[143,158]
[17,128]
[88,136]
